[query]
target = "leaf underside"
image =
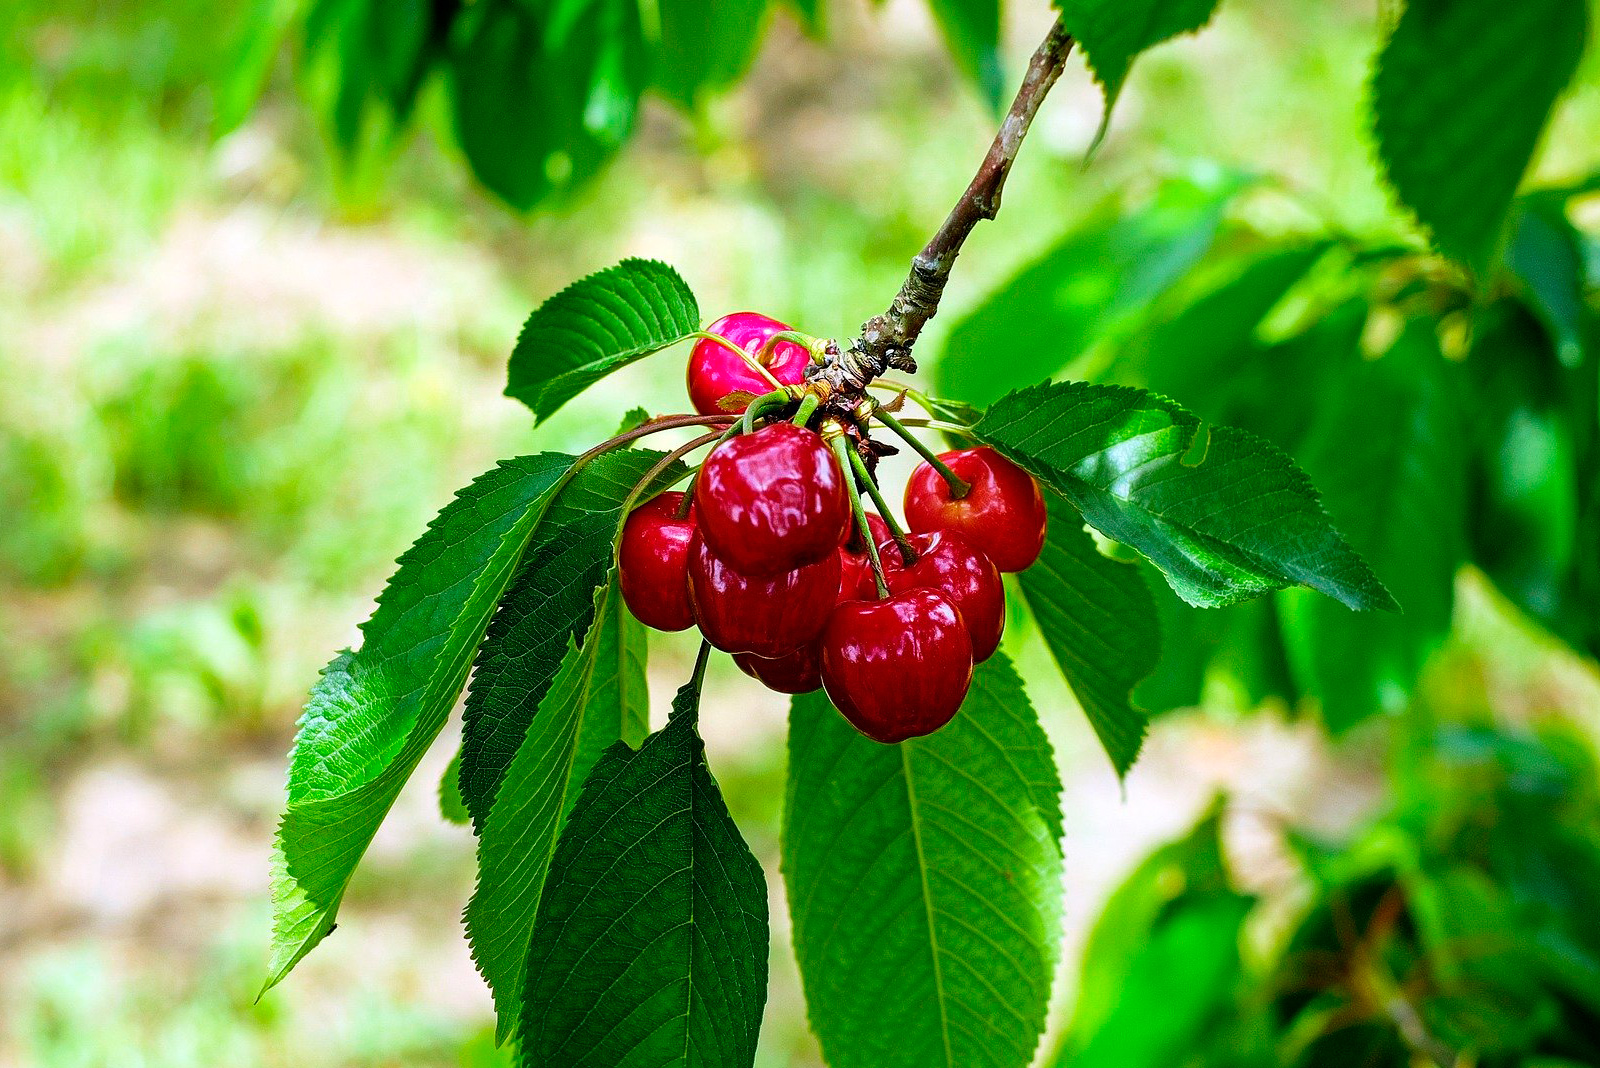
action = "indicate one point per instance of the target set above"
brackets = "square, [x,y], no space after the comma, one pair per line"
[375,711]
[924,882]
[1099,622]
[1240,522]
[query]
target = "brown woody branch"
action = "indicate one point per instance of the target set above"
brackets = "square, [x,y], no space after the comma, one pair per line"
[886,340]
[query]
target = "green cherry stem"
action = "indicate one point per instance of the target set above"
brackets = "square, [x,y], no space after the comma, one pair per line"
[649,480]
[764,403]
[808,408]
[753,362]
[864,477]
[842,450]
[805,341]
[688,491]
[959,487]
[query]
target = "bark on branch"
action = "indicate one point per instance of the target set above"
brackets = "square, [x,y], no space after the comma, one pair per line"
[886,340]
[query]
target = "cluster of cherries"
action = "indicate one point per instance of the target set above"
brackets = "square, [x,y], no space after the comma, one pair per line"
[772,559]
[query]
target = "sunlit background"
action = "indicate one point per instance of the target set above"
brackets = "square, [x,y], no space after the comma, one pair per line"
[235,385]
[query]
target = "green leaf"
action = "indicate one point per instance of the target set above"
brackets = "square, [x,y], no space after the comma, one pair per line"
[1112,33]
[706,46]
[376,711]
[972,30]
[1162,966]
[1096,283]
[1387,454]
[549,606]
[1545,257]
[597,698]
[924,882]
[451,805]
[1460,94]
[537,112]
[596,326]
[1239,523]
[1099,622]
[650,946]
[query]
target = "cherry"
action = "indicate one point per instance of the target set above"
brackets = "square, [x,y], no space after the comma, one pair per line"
[716,371]
[1002,515]
[948,563]
[653,561]
[897,668]
[855,568]
[796,672]
[769,617]
[772,501]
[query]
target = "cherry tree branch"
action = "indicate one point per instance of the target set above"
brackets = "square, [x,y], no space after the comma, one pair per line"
[886,340]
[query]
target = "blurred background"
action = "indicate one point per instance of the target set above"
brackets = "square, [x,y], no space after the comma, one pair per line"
[238,377]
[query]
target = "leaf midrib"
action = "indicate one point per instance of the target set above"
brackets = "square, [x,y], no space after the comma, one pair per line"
[927,900]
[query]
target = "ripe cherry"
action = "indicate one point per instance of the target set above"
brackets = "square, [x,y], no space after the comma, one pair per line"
[653,561]
[1002,515]
[772,501]
[948,563]
[855,568]
[897,668]
[769,617]
[716,371]
[796,672]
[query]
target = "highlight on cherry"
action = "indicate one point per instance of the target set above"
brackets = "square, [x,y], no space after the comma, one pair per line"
[771,551]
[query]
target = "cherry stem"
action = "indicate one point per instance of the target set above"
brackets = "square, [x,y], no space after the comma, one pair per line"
[907,553]
[959,487]
[688,492]
[916,395]
[842,450]
[808,408]
[752,362]
[805,341]
[762,404]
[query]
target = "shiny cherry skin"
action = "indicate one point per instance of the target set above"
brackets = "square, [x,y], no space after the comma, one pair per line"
[796,672]
[1002,516]
[772,501]
[855,568]
[897,668]
[653,563]
[948,563]
[768,617]
[715,371]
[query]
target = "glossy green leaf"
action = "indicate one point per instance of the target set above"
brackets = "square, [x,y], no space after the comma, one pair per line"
[1112,33]
[706,46]
[1241,521]
[451,805]
[1387,455]
[376,711]
[596,326]
[650,947]
[598,697]
[1099,622]
[538,112]
[1091,287]
[924,882]
[548,607]
[972,31]
[1460,94]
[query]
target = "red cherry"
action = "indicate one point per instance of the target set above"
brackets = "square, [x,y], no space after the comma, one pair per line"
[653,561]
[947,563]
[796,672]
[772,501]
[716,371]
[1002,516]
[769,617]
[855,568]
[897,668]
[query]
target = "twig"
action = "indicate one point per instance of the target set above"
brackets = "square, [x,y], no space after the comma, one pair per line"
[886,340]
